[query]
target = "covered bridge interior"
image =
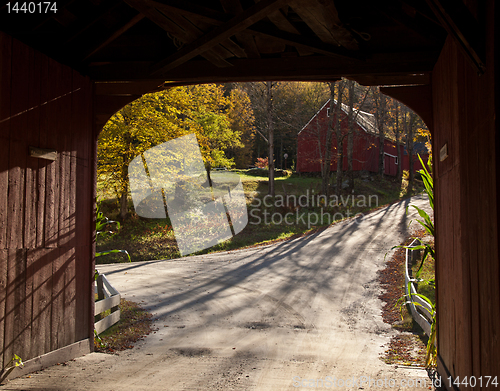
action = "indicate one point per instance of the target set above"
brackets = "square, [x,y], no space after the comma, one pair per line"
[67,67]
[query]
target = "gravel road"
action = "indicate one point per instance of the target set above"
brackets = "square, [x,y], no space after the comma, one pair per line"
[292,315]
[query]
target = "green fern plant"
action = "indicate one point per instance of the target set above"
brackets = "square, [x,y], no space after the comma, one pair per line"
[100,227]
[14,363]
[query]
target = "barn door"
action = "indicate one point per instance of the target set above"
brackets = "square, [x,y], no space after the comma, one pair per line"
[390,165]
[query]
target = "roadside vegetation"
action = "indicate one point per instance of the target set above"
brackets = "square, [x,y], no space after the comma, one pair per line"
[408,347]
[405,348]
[135,323]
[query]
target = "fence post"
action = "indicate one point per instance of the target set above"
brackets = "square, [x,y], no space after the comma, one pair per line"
[100,294]
[109,299]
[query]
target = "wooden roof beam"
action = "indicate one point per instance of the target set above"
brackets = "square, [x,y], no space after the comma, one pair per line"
[219,34]
[82,26]
[283,24]
[458,21]
[45,17]
[187,8]
[301,68]
[199,15]
[136,19]
[148,8]
[288,38]
[428,30]
[225,49]
[303,43]
[324,21]
[234,7]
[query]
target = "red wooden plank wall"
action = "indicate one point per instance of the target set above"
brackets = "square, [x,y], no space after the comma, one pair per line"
[312,140]
[45,206]
[466,216]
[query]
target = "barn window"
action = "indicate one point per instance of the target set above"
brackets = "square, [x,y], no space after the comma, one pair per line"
[327,111]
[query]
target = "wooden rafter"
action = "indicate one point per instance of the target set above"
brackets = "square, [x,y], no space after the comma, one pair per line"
[301,42]
[280,21]
[196,30]
[192,32]
[324,21]
[231,7]
[161,20]
[219,34]
[136,19]
[84,25]
[190,8]
[45,17]
[427,30]
[283,24]
[456,18]
[200,15]
[293,39]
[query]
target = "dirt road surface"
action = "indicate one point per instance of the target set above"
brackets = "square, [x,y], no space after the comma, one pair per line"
[294,315]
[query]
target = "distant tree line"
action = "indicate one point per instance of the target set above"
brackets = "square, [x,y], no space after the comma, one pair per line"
[238,123]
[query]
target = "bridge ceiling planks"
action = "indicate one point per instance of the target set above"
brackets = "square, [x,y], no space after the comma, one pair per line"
[377,42]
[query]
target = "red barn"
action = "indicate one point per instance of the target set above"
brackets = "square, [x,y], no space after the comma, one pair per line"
[312,140]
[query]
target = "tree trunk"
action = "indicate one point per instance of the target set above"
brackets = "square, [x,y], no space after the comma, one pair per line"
[281,151]
[124,204]
[381,135]
[327,161]
[409,141]
[350,135]
[124,177]
[340,139]
[270,130]
[398,146]
[209,177]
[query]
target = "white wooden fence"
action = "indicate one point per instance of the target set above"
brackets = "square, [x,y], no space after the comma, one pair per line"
[108,299]
[422,311]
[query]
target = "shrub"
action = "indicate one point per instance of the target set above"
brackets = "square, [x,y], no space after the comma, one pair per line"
[262,162]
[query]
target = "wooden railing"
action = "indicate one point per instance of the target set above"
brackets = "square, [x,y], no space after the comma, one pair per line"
[422,311]
[108,298]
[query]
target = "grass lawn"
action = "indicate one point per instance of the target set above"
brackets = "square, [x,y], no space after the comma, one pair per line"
[135,323]
[149,239]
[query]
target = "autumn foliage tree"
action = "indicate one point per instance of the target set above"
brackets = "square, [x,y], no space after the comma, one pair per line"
[241,120]
[159,117]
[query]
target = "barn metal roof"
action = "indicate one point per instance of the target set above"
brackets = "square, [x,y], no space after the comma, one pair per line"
[365,120]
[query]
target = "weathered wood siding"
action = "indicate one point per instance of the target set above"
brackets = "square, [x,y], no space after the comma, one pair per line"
[45,206]
[468,274]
